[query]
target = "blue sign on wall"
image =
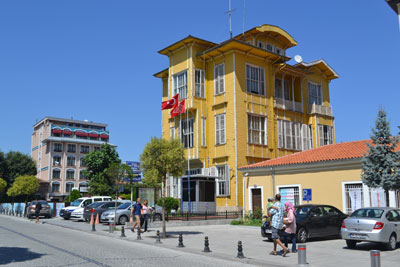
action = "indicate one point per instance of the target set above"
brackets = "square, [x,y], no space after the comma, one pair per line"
[307,194]
[135,166]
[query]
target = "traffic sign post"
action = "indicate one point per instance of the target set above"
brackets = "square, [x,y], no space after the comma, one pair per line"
[307,195]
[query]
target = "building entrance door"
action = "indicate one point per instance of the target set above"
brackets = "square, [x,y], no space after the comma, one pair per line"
[256,198]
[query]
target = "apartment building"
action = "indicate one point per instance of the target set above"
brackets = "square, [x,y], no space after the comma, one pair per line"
[245,104]
[58,147]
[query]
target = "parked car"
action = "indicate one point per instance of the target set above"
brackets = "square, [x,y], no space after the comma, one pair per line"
[45,211]
[313,221]
[123,213]
[379,225]
[99,208]
[80,203]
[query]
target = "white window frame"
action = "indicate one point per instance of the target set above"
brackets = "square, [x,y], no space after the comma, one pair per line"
[59,187]
[54,162]
[325,138]
[67,183]
[182,89]
[318,97]
[272,47]
[203,131]
[172,132]
[219,79]
[220,129]
[66,172]
[255,73]
[278,187]
[80,149]
[183,133]
[74,161]
[71,145]
[52,173]
[199,83]
[365,198]
[261,132]
[54,147]
[225,180]
[80,176]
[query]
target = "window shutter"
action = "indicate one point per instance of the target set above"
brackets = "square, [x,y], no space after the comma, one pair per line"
[222,125]
[288,137]
[321,135]
[222,77]
[228,181]
[280,133]
[216,84]
[217,125]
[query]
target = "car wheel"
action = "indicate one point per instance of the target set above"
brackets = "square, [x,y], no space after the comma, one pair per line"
[302,235]
[392,242]
[66,218]
[157,217]
[122,220]
[351,244]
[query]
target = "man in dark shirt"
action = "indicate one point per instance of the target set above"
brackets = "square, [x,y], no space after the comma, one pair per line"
[137,211]
[38,207]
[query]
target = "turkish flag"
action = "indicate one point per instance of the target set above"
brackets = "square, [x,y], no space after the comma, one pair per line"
[170,103]
[179,109]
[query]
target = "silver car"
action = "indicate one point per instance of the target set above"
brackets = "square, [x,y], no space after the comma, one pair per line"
[380,225]
[123,213]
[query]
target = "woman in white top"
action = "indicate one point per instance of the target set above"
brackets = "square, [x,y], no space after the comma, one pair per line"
[145,214]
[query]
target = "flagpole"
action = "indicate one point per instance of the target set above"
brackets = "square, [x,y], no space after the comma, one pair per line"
[188,153]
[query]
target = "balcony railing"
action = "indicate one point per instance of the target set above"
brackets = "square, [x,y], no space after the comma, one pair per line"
[319,109]
[288,105]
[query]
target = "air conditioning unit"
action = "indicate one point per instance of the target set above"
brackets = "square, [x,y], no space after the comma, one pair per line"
[213,171]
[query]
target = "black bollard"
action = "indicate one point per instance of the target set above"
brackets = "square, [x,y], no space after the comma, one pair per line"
[206,245]
[180,239]
[93,226]
[158,240]
[240,250]
[138,235]
[123,231]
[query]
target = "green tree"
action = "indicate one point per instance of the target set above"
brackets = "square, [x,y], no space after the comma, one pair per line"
[74,195]
[160,158]
[116,173]
[3,185]
[24,186]
[97,162]
[170,203]
[380,166]
[17,164]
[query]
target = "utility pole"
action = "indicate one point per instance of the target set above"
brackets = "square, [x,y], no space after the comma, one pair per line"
[229,12]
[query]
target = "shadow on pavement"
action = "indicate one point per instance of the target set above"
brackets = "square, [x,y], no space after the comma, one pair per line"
[310,240]
[175,234]
[16,254]
[366,246]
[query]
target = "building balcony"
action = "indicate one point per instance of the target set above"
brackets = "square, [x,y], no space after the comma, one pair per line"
[319,109]
[288,105]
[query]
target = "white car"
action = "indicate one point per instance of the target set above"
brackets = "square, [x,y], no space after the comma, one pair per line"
[81,203]
[77,214]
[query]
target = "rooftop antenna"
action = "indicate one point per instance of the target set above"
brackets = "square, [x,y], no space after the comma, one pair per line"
[230,17]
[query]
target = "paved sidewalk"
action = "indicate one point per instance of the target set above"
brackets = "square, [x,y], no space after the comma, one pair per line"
[223,244]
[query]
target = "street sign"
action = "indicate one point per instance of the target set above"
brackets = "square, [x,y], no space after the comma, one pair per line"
[137,178]
[135,166]
[307,195]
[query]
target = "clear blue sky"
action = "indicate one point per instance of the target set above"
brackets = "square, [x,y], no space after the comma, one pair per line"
[95,59]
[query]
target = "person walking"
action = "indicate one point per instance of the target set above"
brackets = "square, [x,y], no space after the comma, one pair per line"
[38,207]
[145,215]
[137,211]
[290,222]
[277,212]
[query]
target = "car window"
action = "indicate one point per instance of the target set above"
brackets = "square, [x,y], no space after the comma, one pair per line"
[331,210]
[317,212]
[87,202]
[367,213]
[111,205]
[97,199]
[107,199]
[392,216]
[95,205]
[124,206]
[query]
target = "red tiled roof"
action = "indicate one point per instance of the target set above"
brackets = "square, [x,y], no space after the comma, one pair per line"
[341,151]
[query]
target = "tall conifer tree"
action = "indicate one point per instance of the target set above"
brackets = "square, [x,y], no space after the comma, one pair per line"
[380,166]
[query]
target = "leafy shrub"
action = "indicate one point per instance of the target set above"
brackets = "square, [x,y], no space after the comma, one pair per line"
[257,214]
[75,194]
[170,203]
[236,222]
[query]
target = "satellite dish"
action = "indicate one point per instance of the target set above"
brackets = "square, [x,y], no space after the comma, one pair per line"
[298,58]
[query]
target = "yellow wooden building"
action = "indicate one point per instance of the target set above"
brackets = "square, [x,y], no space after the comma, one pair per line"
[245,104]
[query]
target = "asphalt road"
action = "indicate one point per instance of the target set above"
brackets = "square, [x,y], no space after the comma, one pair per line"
[24,243]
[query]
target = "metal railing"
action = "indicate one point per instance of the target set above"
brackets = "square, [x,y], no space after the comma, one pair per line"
[319,109]
[204,216]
